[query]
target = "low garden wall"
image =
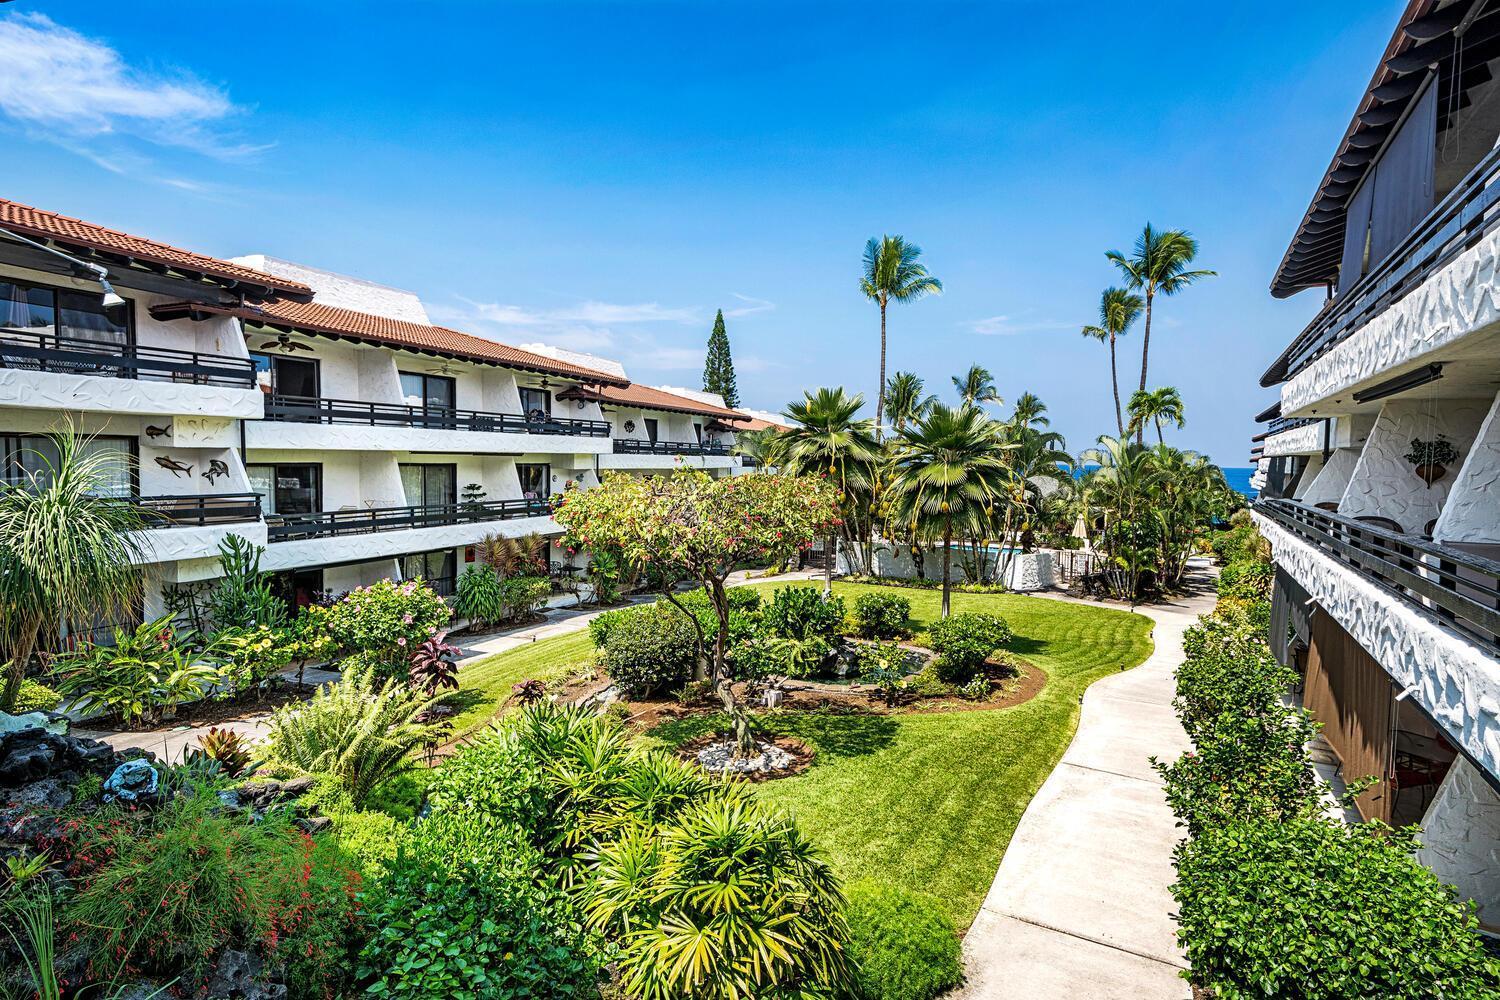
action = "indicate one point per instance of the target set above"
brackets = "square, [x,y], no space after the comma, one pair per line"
[1027,571]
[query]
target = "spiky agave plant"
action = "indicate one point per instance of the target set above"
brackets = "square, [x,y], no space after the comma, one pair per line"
[356,731]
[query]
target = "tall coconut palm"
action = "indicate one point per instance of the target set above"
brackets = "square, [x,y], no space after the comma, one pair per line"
[1156,405]
[1030,412]
[976,387]
[831,440]
[905,401]
[1118,309]
[949,474]
[893,272]
[67,550]
[1158,265]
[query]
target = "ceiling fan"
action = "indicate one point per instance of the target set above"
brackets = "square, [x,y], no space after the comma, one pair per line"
[444,369]
[284,344]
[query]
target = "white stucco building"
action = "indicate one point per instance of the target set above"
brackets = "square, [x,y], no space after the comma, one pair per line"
[320,415]
[1380,464]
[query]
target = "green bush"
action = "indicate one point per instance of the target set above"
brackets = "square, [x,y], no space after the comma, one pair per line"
[34,697]
[250,657]
[883,665]
[448,923]
[479,595]
[387,621]
[649,649]
[1318,910]
[242,596]
[743,599]
[370,839]
[964,641]
[902,945]
[164,890]
[801,612]
[926,683]
[1228,670]
[604,622]
[1246,578]
[881,616]
[146,671]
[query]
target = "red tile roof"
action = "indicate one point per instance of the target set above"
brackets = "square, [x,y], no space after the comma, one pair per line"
[311,317]
[655,399]
[38,224]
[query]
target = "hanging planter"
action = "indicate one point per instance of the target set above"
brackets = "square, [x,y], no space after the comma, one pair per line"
[1431,458]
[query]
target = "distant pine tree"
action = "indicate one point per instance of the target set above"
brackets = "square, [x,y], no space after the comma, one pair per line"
[718,369]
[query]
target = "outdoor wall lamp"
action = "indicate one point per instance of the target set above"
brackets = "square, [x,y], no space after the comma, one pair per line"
[99,271]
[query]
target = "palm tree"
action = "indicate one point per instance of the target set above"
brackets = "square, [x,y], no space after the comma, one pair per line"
[1122,490]
[976,387]
[763,447]
[830,439]
[1158,264]
[1156,405]
[904,399]
[1118,309]
[67,551]
[1030,412]
[949,474]
[893,272]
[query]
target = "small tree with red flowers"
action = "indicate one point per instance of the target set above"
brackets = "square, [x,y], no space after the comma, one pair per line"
[689,526]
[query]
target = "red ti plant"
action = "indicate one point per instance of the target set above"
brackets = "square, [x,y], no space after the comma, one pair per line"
[432,666]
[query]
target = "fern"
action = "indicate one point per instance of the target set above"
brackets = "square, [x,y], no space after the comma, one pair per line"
[357,732]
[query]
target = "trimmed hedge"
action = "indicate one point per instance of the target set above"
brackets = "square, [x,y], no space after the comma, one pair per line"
[881,616]
[1274,898]
[964,641]
[648,649]
[903,946]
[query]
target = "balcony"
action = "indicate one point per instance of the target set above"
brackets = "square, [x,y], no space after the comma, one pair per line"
[26,350]
[308,409]
[337,523]
[631,446]
[195,510]
[1459,586]
[1455,226]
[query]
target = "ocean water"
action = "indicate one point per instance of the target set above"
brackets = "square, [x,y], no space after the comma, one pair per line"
[1239,479]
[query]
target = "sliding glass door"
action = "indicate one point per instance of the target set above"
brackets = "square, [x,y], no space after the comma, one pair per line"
[287,489]
[430,485]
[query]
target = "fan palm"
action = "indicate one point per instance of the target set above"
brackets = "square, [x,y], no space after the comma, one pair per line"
[830,439]
[893,272]
[1118,309]
[1156,405]
[976,387]
[949,473]
[67,551]
[763,447]
[1159,264]
[905,401]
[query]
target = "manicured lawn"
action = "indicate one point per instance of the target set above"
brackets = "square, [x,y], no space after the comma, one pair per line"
[930,801]
[484,685]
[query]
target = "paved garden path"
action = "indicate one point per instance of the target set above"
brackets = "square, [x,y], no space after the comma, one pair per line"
[171,742]
[1080,907]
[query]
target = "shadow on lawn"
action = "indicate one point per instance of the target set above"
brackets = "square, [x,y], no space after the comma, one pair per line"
[1022,645]
[831,734]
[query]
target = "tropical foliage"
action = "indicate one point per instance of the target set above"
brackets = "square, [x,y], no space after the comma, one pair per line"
[893,272]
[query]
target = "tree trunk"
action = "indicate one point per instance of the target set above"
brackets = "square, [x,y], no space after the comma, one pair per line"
[828,559]
[1140,430]
[947,552]
[1159,438]
[20,657]
[880,396]
[739,714]
[700,670]
[1114,381]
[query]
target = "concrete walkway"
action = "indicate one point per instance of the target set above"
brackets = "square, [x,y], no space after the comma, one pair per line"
[1080,907]
[170,743]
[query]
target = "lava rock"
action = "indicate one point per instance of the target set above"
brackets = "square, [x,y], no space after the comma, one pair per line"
[237,975]
[28,755]
[49,793]
[315,824]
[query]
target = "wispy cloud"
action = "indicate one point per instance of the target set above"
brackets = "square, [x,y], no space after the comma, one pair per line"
[750,306]
[1008,326]
[79,92]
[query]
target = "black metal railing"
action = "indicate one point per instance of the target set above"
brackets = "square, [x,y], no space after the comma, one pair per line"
[29,350]
[328,523]
[632,446]
[1458,222]
[1289,423]
[316,410]
[218,508]
[1461,588]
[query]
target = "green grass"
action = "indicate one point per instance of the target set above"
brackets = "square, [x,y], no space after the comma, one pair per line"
[484,686]
[929,802]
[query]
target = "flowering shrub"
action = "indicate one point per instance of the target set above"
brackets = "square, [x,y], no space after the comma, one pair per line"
[250,657]
[964,641]
[387,620]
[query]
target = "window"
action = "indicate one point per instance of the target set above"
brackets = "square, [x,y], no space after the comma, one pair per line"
[536,403]
[651,426]
[28,457]
[432,392]
[536,480]
[285,376]
[287,489]
[67,313]
[438,568]
[698,431]
[430,485]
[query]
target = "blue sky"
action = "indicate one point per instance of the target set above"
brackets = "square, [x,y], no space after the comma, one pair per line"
[605,175]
